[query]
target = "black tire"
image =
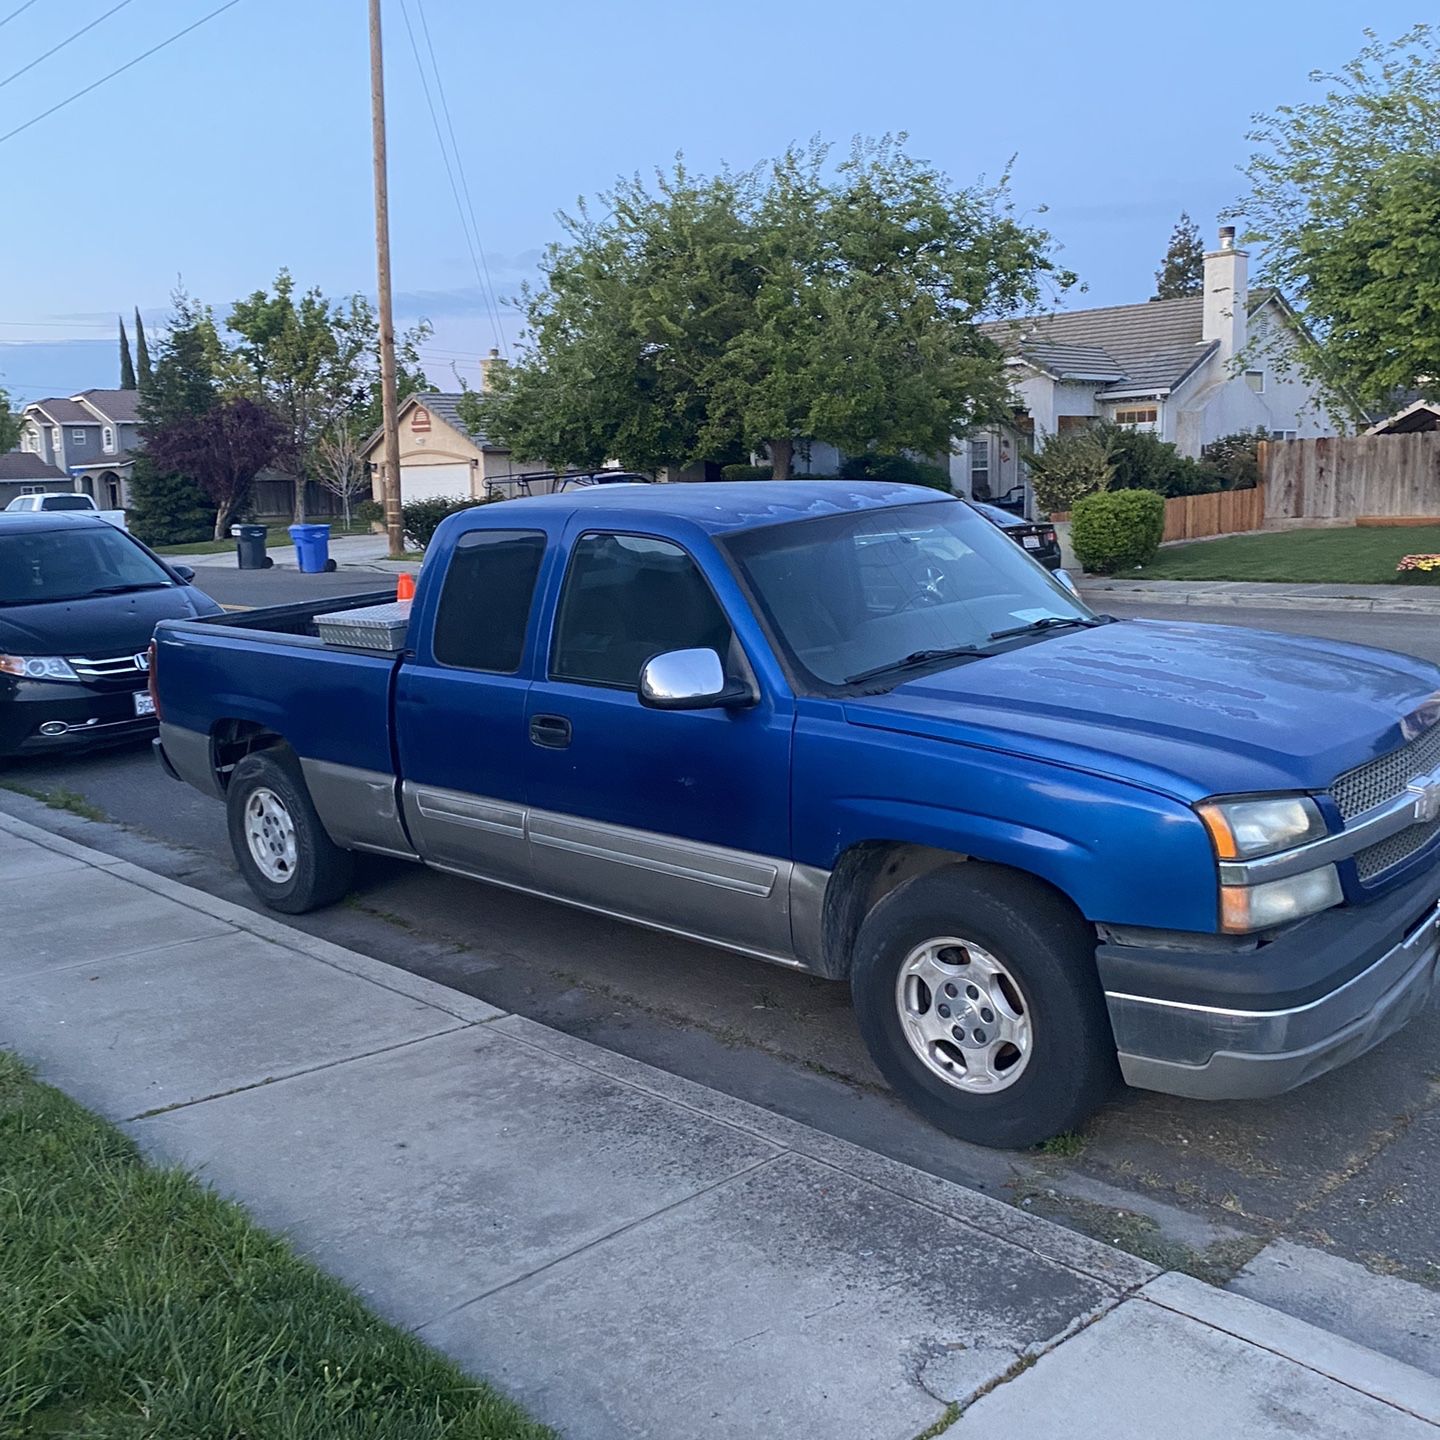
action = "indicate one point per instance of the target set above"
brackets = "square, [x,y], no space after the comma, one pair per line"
[268,563]
[331,566]
[321,871]
[1050,953]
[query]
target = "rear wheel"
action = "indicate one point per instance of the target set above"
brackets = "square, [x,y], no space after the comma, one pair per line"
[977,995]
[282,849]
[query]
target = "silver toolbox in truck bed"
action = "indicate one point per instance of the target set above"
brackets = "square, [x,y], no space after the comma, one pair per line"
[374,627]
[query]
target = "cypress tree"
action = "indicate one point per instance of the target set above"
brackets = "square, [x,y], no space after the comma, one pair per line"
[142,353]
[127,366]
[1183,270]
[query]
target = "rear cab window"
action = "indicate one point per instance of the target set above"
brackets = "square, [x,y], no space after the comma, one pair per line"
[486,599]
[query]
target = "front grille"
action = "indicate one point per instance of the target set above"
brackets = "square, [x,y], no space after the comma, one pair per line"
[112,667]
[1377,781]
[1394,849]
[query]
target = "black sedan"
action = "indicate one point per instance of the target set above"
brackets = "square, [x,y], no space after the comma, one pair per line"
[79,600]
[1034,537]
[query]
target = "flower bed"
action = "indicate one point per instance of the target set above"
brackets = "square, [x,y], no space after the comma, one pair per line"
[1421,569]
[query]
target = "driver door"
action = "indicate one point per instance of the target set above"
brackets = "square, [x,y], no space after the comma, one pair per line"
[678,818]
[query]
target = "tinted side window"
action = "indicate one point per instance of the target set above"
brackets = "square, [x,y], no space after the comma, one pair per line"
[485,604]
[626,599]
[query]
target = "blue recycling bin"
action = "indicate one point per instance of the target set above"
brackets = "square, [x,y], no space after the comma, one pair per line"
[312,548]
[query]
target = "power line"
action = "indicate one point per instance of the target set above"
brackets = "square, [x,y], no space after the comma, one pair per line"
[14,13]
[52,50]
[450,173]
[128,65]
[464,183]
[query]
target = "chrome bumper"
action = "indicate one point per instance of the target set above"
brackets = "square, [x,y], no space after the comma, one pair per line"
[1211,1053]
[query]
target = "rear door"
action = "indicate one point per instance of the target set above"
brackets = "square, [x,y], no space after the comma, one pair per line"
[677,818]
[460,707]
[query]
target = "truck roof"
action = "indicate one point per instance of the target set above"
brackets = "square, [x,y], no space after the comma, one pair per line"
[726,506]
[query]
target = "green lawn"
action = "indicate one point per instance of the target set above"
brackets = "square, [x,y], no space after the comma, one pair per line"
[136,1305]
[1357,556]
[276,535]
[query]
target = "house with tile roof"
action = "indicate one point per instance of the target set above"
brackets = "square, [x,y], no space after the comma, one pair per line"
[90,439]
[1190,370]
[440,455]
[22,472]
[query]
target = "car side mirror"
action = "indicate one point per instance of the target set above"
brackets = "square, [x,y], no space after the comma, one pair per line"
[690,680]
[1068,581]
[185,573]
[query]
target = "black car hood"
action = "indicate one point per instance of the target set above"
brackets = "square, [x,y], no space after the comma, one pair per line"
[100,625]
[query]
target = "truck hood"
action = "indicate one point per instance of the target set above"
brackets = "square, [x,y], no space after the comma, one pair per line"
[1191,710]
[100,624]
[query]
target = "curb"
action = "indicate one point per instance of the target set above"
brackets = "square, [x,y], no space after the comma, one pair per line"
[1256,598]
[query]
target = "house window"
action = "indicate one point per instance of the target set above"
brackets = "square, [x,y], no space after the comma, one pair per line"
[980,468]
[1064,424]
[77,437]
[1255,379]
[55,438]
[1138,417]
[107,439]
[1282,434]
[32,489]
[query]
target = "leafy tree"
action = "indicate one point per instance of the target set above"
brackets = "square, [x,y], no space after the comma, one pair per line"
[1344,198]
[167,506]
[1143,461]
[11,425]
[315,362]
[760,308]
[222,449]
[1182,272]
[1234,459]
[142,352]
[127,366]
[1070,466]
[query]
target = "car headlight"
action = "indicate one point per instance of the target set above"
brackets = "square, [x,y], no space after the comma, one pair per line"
[1244,908]
[37,667]
[1248,829]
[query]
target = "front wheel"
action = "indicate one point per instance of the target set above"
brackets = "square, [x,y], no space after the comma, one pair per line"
[282,849]
[977,995]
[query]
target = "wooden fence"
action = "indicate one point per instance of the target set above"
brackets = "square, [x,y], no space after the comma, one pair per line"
[1345,477]
[1227,512]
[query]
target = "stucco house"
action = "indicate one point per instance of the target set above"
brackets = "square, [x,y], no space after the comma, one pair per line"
[89,438]
[439,454]
[1190,370]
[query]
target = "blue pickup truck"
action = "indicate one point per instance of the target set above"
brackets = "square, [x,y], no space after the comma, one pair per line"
[853,729]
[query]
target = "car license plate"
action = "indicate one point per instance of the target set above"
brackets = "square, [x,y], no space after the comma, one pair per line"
[144,705]
[1030,542]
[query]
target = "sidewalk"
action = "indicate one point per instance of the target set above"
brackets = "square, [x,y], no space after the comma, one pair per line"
[1400,599]
[628,1253]
[345,550]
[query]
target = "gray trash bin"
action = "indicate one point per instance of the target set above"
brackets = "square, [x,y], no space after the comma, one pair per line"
[250,547]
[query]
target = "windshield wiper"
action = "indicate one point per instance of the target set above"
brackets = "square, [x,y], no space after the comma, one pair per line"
[915,658]
[133,585]
[1051,622]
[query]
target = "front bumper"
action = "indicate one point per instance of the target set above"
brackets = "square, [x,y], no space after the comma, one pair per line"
[1316,998]
[77,714]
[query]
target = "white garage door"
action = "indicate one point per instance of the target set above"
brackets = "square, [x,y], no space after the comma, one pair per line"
[426,482]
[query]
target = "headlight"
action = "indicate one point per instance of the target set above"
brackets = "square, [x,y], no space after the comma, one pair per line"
[37,667]
[1244,908]
[1247,829]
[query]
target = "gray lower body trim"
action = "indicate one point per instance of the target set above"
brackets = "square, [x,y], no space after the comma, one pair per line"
[357,807]
[1210,1053]
[189,754]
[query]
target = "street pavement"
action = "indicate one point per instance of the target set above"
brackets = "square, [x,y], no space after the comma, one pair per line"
[1350,1163]
[628,1253]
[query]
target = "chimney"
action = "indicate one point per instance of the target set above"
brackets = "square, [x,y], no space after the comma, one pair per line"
[487,364]
[1225,296]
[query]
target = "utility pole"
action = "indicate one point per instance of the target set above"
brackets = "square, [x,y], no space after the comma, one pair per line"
[390,469]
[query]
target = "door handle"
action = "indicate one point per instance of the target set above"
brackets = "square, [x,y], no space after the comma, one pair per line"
[552,732]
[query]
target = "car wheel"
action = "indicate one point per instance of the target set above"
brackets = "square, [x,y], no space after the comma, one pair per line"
[282,849]
[976,992]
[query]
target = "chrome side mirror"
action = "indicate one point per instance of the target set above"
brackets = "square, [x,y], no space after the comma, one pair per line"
[1068,581]
[689,680]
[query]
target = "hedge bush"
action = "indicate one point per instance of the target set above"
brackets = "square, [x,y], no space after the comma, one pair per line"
[895,470]
[370,512]
[1117,530]
[745,472]
[422,517]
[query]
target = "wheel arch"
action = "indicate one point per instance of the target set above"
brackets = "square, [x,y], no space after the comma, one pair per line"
[870,870]
[231,740]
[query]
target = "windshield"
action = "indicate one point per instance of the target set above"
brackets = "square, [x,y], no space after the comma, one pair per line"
[851,596]
[42,565]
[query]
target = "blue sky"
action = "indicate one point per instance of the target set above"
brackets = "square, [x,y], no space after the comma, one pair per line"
[245,145]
